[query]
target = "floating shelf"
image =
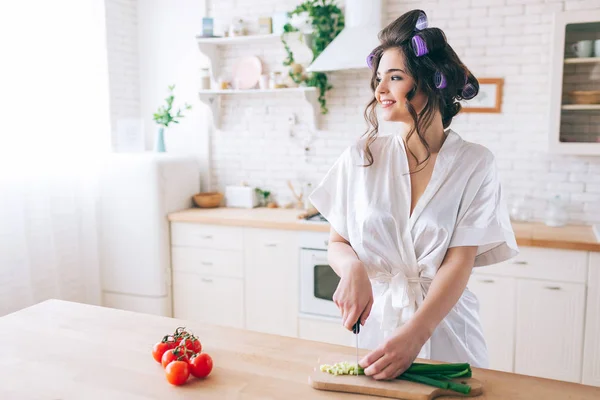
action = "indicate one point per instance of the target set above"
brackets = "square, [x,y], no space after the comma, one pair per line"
[235,39]
[581,107]
[212,98]
[582,60]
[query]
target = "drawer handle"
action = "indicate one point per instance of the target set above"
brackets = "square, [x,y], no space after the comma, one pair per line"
[206,263]
[553,287]
[326,242]
[207,280]
[270,244]
[520,262]
[206,236]
[487,281]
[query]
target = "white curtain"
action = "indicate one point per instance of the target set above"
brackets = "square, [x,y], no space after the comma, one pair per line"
[54,129]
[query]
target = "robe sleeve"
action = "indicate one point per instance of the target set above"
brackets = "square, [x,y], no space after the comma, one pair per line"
[331,198]
[483,220]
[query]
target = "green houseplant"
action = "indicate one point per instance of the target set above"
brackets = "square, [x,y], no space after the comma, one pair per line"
[322,20]
[163,117]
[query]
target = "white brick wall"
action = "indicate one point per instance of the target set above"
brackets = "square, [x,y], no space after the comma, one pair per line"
[123,60]
[495,38]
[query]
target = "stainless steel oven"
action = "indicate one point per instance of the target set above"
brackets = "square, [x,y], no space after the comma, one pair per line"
[318,281]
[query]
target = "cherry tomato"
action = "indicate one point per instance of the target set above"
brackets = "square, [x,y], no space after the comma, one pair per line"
[192,343]
[201,365]
[176,354]
[177,372]
[167,343]
[181,333]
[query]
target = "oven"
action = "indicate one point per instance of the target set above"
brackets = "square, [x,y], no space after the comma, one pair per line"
[318,281]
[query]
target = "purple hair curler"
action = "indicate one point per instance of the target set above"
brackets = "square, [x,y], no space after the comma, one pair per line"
[440,80]
[421,22]
[468,92]
[370,60]
[419,46]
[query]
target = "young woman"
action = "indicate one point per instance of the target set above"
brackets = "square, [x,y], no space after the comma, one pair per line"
[413,212]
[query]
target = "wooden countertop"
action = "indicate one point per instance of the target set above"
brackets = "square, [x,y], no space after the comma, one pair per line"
[570,237]
[63,350]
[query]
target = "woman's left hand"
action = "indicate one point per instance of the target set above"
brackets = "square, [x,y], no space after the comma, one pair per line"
[396,354]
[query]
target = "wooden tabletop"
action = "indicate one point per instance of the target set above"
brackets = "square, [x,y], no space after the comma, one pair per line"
[570,237]
[63,350]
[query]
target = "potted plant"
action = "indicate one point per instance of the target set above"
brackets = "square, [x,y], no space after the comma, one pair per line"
[163,118]
[320,21]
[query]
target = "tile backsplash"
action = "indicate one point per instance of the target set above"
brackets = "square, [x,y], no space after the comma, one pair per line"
[495,38]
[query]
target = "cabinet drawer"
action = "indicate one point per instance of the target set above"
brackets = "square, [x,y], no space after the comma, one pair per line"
[208,262]
[214,300]
[540,263]
[207,236]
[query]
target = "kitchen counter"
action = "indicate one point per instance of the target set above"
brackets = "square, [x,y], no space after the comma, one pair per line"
[570,237]
[64,350]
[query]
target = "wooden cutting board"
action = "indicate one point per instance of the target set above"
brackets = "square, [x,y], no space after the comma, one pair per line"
[398,389]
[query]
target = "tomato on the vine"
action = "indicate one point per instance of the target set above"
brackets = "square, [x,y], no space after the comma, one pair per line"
[191,343]
[179,353]
[201,365]
[167,343]
[177,372]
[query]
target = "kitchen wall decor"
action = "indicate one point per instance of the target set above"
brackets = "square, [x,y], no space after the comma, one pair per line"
[489,98]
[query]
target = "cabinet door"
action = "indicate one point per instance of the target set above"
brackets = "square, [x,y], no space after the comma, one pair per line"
[549,339]
[271,275]
[497,299]
[214,300]
[325,330]
[591,357]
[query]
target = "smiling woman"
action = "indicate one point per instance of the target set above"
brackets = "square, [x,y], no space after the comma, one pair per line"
[54,129]
[412,213]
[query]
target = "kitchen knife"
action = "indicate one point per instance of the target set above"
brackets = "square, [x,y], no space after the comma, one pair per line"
[356,331]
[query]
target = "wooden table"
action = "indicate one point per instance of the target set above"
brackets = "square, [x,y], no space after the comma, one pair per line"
[63,350]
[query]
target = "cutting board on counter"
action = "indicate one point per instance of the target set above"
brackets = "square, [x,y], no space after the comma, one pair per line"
[398,389]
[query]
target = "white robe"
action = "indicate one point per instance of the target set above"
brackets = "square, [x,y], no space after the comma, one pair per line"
[461,206]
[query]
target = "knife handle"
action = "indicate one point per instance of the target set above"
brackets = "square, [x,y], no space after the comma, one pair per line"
[356,327]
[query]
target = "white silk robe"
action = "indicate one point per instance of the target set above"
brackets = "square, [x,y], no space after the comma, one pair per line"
[461,206]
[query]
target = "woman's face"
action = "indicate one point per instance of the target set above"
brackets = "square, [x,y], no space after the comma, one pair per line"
[394,84]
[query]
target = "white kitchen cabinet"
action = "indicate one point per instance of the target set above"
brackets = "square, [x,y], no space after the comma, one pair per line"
[549,329]
[591,353]
[215,300]
[271,281]
[328,330]
[497,300]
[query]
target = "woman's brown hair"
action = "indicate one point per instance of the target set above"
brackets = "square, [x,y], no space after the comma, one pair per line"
[440,59]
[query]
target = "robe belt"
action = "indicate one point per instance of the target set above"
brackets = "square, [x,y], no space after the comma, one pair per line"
[399,300]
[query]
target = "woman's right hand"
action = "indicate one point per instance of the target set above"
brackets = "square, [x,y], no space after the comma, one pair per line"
[354,295]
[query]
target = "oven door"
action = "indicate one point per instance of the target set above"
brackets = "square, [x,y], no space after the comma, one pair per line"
[318,282]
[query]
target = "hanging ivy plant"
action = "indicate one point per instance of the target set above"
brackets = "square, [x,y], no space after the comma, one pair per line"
[327,21]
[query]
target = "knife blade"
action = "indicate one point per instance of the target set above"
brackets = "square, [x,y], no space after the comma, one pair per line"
[356,331]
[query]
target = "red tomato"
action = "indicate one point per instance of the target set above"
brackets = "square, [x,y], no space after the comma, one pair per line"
[192,343]
[177,372]
[160,348]
[176,354]
[181,333]
[201,365]
[167,343]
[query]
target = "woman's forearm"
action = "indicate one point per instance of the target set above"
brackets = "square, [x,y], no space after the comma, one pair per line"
[445,290]
[342,258]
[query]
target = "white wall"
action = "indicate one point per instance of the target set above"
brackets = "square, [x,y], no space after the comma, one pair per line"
[495,38]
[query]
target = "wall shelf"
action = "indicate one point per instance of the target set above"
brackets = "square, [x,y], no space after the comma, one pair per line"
[234,40]
[581,107]
[213,98]
[582,60]
[563,138]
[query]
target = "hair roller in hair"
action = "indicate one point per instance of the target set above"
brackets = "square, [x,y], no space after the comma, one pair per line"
[440,80]
[370,60]
[421,22]
[419,46]
[469,91]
